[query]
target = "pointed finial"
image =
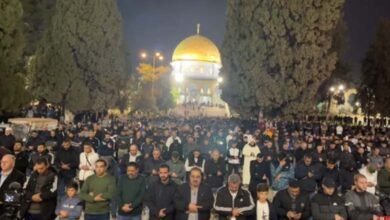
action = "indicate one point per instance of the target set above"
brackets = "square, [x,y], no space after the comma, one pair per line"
[198,29]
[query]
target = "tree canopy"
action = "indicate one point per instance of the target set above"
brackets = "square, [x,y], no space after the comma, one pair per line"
[12,42]
[277,53]
[81,64]
[376,73]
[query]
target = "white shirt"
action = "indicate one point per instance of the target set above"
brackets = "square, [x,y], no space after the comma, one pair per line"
[262,211]
[4,176]
[233,194]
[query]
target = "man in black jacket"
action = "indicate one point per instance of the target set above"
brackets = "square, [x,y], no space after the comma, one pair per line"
[326,204]
[160,195]
[308,173]
[134,155]
[66,162]
[234,201]
[41,193]
[193,200]
[21,157]
[9,175]
[260,170]
[215,169]
[291,203]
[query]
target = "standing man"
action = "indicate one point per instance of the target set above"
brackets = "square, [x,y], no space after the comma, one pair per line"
[7,139]
[160,195]
[249,152]
[291,203]
[215,169]
[21,157]
[193,200]
[130,193]
[326,204]
[361,204]
[233,202]
[66,161]
[260,173]
[41,193]
[97,191]
[176,168]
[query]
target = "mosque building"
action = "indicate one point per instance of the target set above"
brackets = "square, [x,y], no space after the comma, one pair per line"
[196,63]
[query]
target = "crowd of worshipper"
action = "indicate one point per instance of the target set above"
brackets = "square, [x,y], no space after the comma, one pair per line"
[198,168]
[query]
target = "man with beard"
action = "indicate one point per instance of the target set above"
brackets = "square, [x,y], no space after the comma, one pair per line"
[260,173]
[152,165]
[176,167]
[130,193]
[193,200]
[233,201]
[249,152]
[215,169]
[361,205]
[21,157]
[159,196]
[291,203]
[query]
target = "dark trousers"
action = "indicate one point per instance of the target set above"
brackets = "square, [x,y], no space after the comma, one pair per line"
[233,168]
[105,216]
[33,217]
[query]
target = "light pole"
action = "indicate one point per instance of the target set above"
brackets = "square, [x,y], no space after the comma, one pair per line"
[156,55]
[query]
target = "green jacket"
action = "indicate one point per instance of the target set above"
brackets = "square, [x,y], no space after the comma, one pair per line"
[384,181]
[95,185]
[131,191]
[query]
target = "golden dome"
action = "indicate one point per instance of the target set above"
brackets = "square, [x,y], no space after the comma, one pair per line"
[197,48]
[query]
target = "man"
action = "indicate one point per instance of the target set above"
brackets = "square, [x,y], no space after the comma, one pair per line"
[308,173]
[21,157]
[371,173]
[40,193]
[66,162]
[249,152]
[9,175]
[327,205]
[193,200]
[232,201]
[260,173]
[134,155]
[215,169]
[152,165]
[361,204]
[7,139]
[384,185]
[160,196]
[130,193]
[41,152]
[176,167]
[97,191]
[291,203]
[331,171]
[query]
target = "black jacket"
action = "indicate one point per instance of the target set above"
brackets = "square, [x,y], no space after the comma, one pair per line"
[211,169]
[21,161]
[48,194]
[258,170]
[224,203]
[14,176]
[325,207]
[160,196]
[7,141]
[333,174]
[70,157]
[307,183]
[272,212]
[125,161]
[283,203]
[183,199]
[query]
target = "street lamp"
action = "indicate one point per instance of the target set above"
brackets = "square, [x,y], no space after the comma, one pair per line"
[341,87]
[160,57]
[220,80]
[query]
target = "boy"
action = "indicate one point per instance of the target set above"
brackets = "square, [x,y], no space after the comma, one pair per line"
[69,207]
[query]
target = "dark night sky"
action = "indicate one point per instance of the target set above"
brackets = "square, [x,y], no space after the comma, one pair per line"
[161,24]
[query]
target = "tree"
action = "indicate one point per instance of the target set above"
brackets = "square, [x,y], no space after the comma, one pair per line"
[375,91]
[12,42]
[155,88]
[277,53]
[81,64]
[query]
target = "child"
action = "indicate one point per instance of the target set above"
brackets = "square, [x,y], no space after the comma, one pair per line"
[69,208]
